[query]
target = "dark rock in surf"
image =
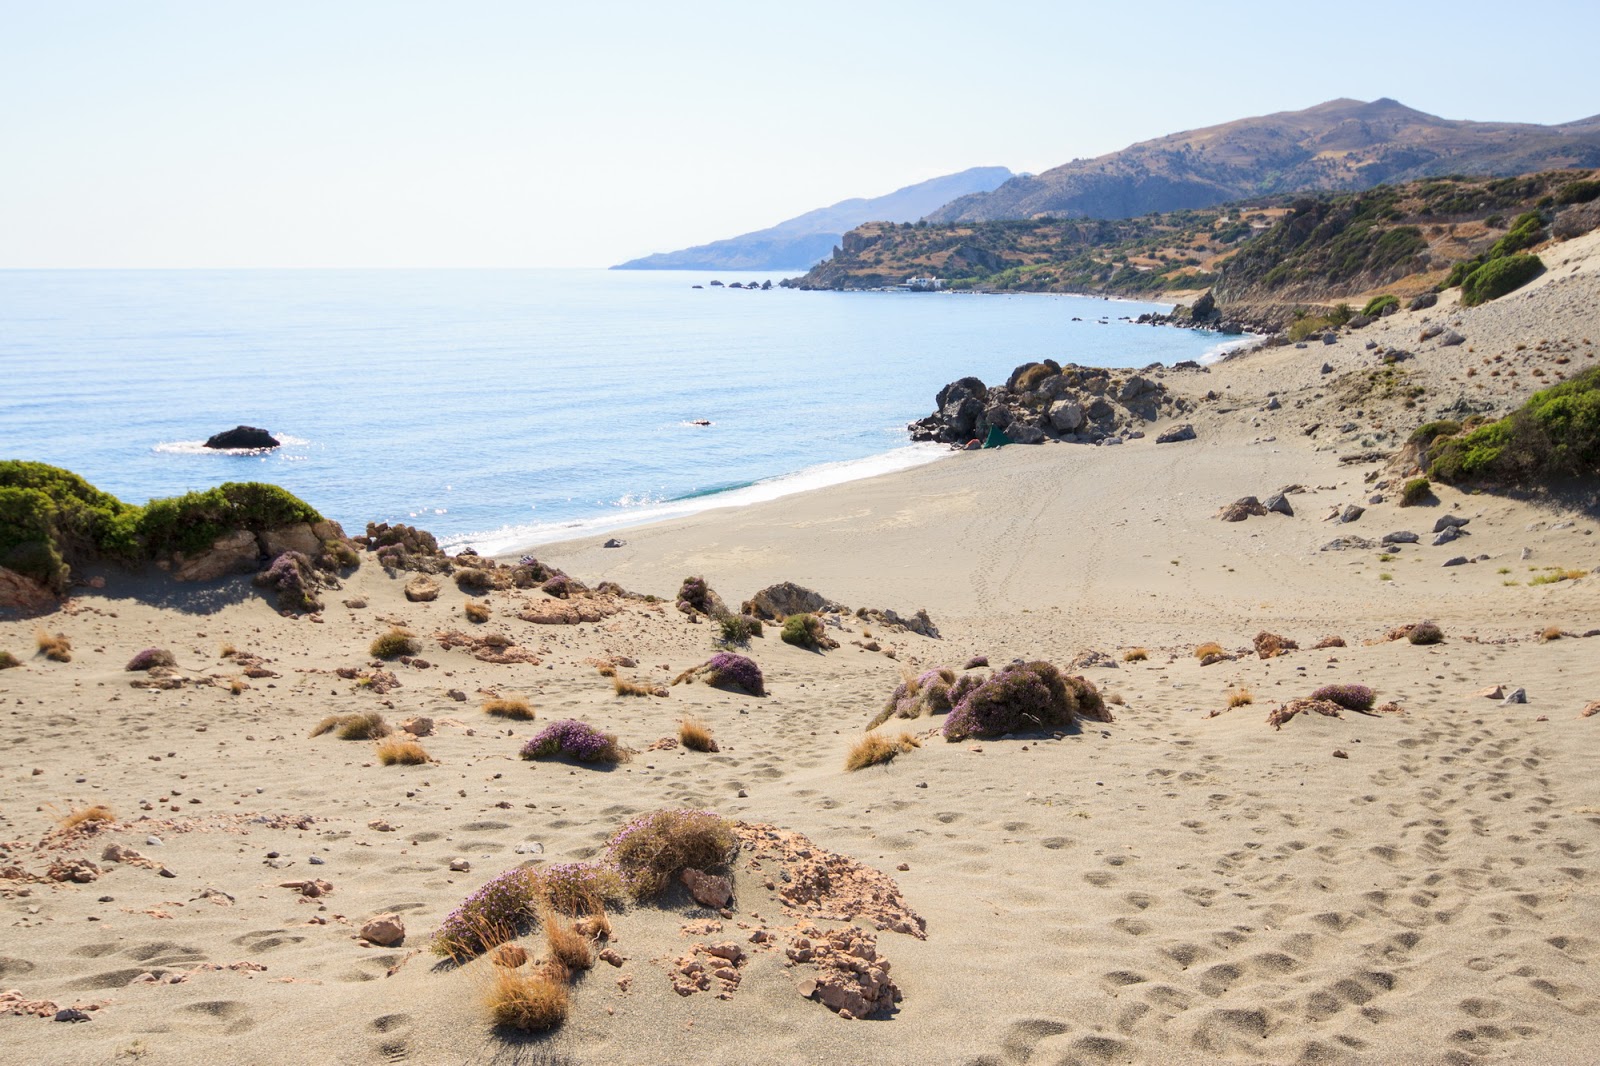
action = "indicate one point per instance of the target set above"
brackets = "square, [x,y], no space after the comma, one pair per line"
[242,438]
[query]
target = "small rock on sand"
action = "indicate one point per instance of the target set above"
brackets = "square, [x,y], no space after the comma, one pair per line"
[385,930]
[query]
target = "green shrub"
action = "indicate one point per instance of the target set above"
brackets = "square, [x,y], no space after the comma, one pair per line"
[52,519]
[1498,277]
[1416,490]
[1340,314]
[193,521]
[395,643]
[803,631]
[1556,432]
[1459,273]
[736,629]
[1525,232]
[1428,432]
[1578,192]
[7,660]
[651,851]
[1377,304]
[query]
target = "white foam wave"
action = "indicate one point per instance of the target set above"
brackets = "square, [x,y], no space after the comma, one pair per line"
[512,538]
[1216,352]
[198,447]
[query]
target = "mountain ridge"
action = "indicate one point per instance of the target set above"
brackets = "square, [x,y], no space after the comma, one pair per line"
[1337,145]
[810,237]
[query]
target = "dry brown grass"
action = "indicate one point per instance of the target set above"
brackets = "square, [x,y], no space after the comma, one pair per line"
[1210,647]
[395,643]
[520,999]
[475,611]
[624,687]
[1136,655]
[1241,697]
[508,708]
[606,670]
[56,648]
[236,685]
[99,812]
[1551,633]
[696,735]
[7,660]
[596,926]
[368,726]
[567,946]
[397,752]
[512,955]
[226,651]
[875,748]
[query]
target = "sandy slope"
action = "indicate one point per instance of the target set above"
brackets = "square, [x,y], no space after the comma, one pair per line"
[1168,888]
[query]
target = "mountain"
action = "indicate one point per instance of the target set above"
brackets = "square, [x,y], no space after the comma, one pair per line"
[1342,145]
[810,238]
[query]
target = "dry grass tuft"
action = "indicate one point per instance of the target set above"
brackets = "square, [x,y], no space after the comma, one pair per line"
[99,812]
[696,735]
[1136,655]
[226,651]
[1551,633]
[395,643]
[236,685]
[596,926]
[606,670]
[509,708]
[55,648]
[533,1002]
[1210,647]
[567,946]
[1115,698]
[368,726]
[1240,697]
[511,955]
[624,687]
[397,752]
[475,611]
[7,660]
[875,748]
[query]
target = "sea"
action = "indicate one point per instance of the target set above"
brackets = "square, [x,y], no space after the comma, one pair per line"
[502,409]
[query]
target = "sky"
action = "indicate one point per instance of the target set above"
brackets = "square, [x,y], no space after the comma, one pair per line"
[581,133]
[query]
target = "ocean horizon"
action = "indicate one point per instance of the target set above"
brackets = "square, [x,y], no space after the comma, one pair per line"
[502,409]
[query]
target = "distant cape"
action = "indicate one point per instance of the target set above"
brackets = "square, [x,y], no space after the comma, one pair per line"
[807,239]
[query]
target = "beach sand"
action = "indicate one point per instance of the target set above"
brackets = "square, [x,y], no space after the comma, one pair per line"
[1185,884]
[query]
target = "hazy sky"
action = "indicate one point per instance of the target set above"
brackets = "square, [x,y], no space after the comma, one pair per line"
[579,133]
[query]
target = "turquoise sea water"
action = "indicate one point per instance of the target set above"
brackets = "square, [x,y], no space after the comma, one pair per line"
[505,408]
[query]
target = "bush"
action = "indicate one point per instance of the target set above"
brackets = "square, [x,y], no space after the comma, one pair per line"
[57,648]
[736,628]
[1425,633]
[1136,655]
[1018,697]
[475,611]
[925,693]
[696,735]
[397,752]
[1416,491]
[651,851]
[367,726]
[1350,697]
[566,945]
[149,659]
[804,631]
[509,708]
[1498,277]
[293,579]
[1525,232]
[578,887]
[1210,647]
[7,660]
[1378,304]
[1428,432]
[52,519]
[1556,432]
[472,579]
[576,740]
[192,522]
[1578,192]
[395,643]
[695,593]
[492,915]
[874,749]
[533,1001]
[727,669]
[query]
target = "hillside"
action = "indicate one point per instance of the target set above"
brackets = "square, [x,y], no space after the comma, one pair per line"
[809,238]
[1334,146]
[1268,255]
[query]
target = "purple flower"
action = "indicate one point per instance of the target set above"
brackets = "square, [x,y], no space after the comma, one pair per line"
[1019,697]
[150,658]
[730,668]
[574,739]
[489,916]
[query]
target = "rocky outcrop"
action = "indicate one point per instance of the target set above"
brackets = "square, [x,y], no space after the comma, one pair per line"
[777,602]
[1048,401]
[242,438]
[24,595]
[232,553]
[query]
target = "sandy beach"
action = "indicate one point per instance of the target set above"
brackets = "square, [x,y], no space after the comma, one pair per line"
[1184,884]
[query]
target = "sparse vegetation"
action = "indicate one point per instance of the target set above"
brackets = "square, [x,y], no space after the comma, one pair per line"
[517,709]
[475,611]
[492,915]
[7,660]
[575,740]
[80,816]
[875,749]
[623,687]
[1350,697]
[1240,697]
[575,888]
[149,659]
[736,628]
[395,643]
[1023,696]
[294,579]
[1378,304]
[56,647]
[368,725]
[1417,490]
[1550,633]
[696,735]
[1136,655]
[566,945]
[471,579]
[527,999]
[931,692]
[651,851]
[398,752]
[1209,648]
[1425,633]
[1555,574]
[804,631]
[727,669]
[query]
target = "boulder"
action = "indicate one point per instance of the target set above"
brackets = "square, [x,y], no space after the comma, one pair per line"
[231,553]
[1021,433]
[1450,339]
[301,538]
[1352,512]
[24,595]
[420,726]
[1403,536]
[1446,535]
[1066,416]
[422,589]
[241,438]
[1279,503]
[1327,368]
[997,415]
[1183,432]
[1135,387]
[385,930]
[1242,508]
[1359,322]
[1330,338]
[1430,332]
[1448,521]
[1423,302]
[1460,560]
[785,598]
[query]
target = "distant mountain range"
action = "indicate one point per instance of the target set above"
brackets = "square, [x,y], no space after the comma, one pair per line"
[810,238]
[1339,145]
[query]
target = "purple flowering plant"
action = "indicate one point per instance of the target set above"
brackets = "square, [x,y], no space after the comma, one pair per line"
[576,740]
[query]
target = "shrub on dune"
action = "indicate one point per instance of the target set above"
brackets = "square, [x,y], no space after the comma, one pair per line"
[1209,648]
[1350,697]
[728,670]
[875,749]
[367,726]
[492,915]
[508,708]
[475,611]
[575,740]
[149,659]
[1425,633]
[1136,655]
[919,694]
[696,735]
[57,648]
[1019,697]
[7,660]
[527,999]
[395,643]
[397,752]
[651,851]
[805,631]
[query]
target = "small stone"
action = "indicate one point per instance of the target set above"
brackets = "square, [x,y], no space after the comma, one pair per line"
[385,930]
[317,860]
[71,1014]
[1460,560]
[1494,692]
[164,872]
[1340,753]
[460,866]
[708,890]
[903,867]
[1517,695]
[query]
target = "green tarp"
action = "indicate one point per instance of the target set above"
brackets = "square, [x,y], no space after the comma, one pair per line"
[997,438]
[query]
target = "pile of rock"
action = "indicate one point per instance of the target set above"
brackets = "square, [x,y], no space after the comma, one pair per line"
[1047,401]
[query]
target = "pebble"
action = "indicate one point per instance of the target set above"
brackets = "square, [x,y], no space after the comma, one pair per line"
[317,860]
[1517,695]
[154,842]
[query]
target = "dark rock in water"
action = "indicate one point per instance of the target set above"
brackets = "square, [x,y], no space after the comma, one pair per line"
[1423,302]
[242,437]
[1183,432]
